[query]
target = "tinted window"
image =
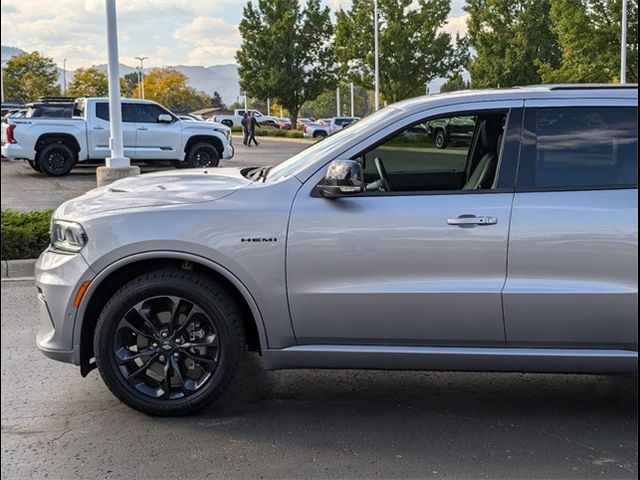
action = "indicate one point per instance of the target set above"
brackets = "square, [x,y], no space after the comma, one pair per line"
[147,113]
[589,147]
[129,112]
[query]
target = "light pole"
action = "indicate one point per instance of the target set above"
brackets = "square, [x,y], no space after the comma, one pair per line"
[141,75]
[2,78]
[117,165]
[338,113]
[623,46]
[377,61]
[64,77]
[352,102]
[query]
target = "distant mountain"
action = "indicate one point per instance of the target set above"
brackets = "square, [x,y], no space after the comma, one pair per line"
[221,78]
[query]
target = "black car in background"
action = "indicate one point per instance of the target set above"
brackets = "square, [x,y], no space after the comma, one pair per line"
[458,130]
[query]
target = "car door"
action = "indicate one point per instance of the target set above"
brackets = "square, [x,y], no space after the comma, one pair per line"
[156,140]
[573,253]
[99,131]
[408,267]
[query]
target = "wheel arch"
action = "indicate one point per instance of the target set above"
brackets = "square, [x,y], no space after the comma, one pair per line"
[212,139]
[66,138]
[107,282]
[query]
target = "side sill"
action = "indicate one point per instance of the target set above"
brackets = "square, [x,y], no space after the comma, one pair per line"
[530,360]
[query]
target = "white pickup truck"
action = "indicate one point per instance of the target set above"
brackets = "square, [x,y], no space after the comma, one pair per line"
[325,127]
[151,132]
[235,119]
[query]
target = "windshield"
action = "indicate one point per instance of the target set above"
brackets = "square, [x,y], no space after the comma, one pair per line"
[311,154]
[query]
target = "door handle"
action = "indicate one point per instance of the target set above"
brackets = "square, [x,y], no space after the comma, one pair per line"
[466,220]
[143,128]
[98,128]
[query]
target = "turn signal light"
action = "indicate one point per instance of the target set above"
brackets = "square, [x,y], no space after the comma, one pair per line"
[81,291]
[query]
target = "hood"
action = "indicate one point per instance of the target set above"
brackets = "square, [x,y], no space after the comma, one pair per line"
[156,189]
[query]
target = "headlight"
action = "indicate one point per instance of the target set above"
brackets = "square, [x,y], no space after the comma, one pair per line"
[68,236]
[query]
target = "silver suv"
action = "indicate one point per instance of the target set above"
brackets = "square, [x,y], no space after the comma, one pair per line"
[515,250]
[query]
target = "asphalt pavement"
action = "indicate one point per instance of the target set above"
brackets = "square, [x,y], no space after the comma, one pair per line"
[312,424]
[23,188]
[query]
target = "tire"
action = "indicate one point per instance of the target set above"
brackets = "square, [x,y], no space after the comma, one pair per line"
[441,139]
[218,318]
[320,134]
[179,164]
[56,159]
[202,155]
[228,123]
[34,164]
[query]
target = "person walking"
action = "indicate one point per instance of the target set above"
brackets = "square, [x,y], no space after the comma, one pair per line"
[245,128]
[252,124]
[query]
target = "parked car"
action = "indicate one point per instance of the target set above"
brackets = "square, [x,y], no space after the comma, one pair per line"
[458,130]
[366,250]
[151,132]
[326,127]
[190,118]
[235,119]
[10,107]
[304,121]
[284,123]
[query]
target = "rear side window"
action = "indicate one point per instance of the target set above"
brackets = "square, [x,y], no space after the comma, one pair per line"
[581,148]
[129,112]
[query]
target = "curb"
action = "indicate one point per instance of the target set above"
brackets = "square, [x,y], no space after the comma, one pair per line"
[308,141]
[18,269]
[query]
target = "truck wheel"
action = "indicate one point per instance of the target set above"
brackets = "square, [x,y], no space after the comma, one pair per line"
[34,164]
[202,155]
[441,139]
[56,159]
[228,123]
[320,134]
[169,342]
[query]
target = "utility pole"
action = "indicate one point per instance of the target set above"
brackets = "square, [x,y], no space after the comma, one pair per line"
[2,78]
[268,106]
[338,101]
[64,77]
[377,53]
[141,75]
[623,46]
[117,165]
[353,109]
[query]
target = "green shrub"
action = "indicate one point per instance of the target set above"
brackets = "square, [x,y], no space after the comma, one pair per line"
[236,129]
[24,234]
[294,134]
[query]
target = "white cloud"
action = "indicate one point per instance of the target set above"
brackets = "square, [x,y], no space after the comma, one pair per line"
[213,41]
[456,25]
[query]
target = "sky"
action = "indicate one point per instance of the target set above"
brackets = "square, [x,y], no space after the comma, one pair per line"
[169,32]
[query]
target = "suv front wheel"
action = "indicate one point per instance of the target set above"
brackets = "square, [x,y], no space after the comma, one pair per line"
[202,155]
[169,342]
[56,159]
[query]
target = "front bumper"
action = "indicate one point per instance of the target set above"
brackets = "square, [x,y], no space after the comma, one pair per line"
[58,277]
[15,151]
[228,150]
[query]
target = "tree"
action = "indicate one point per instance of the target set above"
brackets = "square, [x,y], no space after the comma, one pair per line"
[169,87]
[510,38]
[287,52]
[216,100]
[589,32]
[454,83]
[89,82]
[129,84]
[29,76]
[413,48]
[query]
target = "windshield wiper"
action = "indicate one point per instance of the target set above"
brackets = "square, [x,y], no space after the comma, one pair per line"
[259,173]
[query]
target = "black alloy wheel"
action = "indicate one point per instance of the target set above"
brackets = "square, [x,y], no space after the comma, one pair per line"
[56,159]
[169,342]
[203,155]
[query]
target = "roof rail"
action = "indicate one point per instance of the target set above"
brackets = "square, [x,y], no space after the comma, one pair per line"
[55,99]
[593,86]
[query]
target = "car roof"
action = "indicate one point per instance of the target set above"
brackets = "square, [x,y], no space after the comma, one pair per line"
[534,92]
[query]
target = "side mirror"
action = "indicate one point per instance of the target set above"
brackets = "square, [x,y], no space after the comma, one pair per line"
[343,177]
[165,118]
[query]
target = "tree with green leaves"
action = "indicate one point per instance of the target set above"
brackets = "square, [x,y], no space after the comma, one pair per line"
[129,84]
[89,82]
[29,76]
[589,32]
[286,52]
[413,48]
[510,39]
[216,100]
[454,84]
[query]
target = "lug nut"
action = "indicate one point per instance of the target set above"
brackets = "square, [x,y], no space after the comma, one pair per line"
[162,358]
[176,355]
[154,345]
[164,334]
[178,340]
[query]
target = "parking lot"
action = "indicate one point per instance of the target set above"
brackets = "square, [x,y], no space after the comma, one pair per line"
[302,423]
[25,189]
